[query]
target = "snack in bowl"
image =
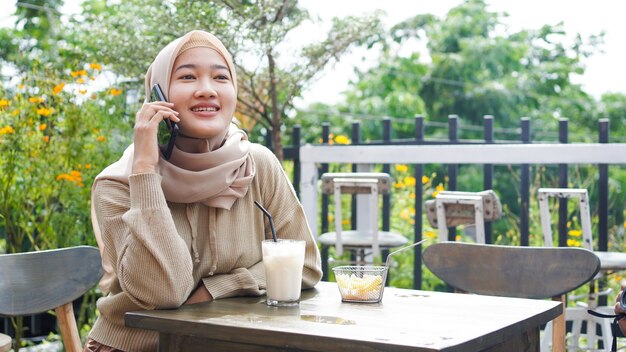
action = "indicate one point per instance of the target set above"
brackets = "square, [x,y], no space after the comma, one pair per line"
[360,283]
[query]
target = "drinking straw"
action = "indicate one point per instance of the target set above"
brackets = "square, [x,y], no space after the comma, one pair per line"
[269,216]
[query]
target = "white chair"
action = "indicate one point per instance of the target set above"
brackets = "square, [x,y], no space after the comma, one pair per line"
[366,240]
[453,208]
[609,262]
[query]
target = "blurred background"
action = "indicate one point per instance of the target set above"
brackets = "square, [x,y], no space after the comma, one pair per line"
[71,80]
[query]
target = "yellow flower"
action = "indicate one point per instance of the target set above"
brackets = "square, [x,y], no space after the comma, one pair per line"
[46,139]
[575,233]
[438,189]
[95,66]
[115,92]
[79,73]
[398,185]
[341,139]
[87,166]
[425,180]
[36,100]
[4,103]
[15,112]
[573,243]
[80,80]
[402,168]
[409,181]
[82,91]
[58,88]
[101,138]
[44,111]
[412,195]
[43,127]
[74,177]
[430,234]
[21,86]
[7,130]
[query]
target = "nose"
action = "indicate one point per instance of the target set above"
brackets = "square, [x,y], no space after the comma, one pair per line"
[205,89]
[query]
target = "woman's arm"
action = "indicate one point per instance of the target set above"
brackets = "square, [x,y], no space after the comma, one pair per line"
[151,261]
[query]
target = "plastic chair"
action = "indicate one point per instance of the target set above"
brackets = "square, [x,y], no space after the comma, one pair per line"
[361,241]
[35,282]
[454,208]
[609,262]
[522,272]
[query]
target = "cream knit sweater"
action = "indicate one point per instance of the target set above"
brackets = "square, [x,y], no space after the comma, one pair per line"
[153,246]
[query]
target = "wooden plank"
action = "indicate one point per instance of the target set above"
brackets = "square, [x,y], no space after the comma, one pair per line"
[526,272]
[36,282]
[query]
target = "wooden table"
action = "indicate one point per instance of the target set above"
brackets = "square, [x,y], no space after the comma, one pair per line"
[406,320]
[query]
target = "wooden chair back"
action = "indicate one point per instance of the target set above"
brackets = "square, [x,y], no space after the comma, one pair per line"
[35,282]
[523,272]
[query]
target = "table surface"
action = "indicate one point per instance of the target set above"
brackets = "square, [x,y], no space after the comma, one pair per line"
[405,320]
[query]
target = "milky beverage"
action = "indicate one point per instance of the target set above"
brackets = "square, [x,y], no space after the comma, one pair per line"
[283,261]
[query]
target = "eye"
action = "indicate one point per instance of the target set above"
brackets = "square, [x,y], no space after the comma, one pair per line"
[186,77]
[222,77]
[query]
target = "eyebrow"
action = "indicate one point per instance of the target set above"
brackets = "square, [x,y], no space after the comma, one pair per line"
[192,66]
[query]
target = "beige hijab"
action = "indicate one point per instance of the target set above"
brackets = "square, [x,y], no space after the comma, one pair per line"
[216,178]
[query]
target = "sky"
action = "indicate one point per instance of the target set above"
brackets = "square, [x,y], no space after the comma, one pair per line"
[606,72]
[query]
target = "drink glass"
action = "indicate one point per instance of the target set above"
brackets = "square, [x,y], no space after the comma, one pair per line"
[284,262]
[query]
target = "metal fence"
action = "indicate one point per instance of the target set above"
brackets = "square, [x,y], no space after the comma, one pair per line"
[310,161]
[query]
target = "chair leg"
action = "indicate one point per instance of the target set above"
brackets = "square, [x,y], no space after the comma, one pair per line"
[67,325]
[558,328]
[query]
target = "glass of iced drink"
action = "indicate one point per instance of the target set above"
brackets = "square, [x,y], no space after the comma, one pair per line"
[283,261]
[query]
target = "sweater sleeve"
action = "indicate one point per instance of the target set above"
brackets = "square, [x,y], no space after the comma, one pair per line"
[151,261]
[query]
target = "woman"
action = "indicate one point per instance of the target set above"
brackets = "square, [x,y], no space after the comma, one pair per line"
[186,230]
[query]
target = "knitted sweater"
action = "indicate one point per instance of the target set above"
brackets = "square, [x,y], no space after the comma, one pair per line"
[161,251]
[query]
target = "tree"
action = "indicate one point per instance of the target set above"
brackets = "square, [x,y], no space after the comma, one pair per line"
[270,75]
[478,67]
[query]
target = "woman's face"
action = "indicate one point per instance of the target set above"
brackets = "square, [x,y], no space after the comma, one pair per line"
[203,93]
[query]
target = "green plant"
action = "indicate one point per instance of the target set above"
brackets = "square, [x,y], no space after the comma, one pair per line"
[55,136]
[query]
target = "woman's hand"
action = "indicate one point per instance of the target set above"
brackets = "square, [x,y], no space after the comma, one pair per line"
[147,121]
[200,294]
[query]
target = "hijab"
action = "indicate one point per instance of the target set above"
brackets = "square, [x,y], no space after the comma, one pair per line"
[216,178]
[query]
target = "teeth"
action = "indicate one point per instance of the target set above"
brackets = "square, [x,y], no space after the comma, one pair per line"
[203,109]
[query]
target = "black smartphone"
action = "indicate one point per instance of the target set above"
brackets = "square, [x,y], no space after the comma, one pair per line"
[168,129]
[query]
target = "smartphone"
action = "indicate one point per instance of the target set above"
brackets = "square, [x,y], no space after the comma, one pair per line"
[168,129]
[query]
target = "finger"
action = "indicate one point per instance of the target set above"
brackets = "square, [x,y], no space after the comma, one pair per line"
[163,115]
[622,325]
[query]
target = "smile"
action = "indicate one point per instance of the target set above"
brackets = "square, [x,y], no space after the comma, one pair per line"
[204,109]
